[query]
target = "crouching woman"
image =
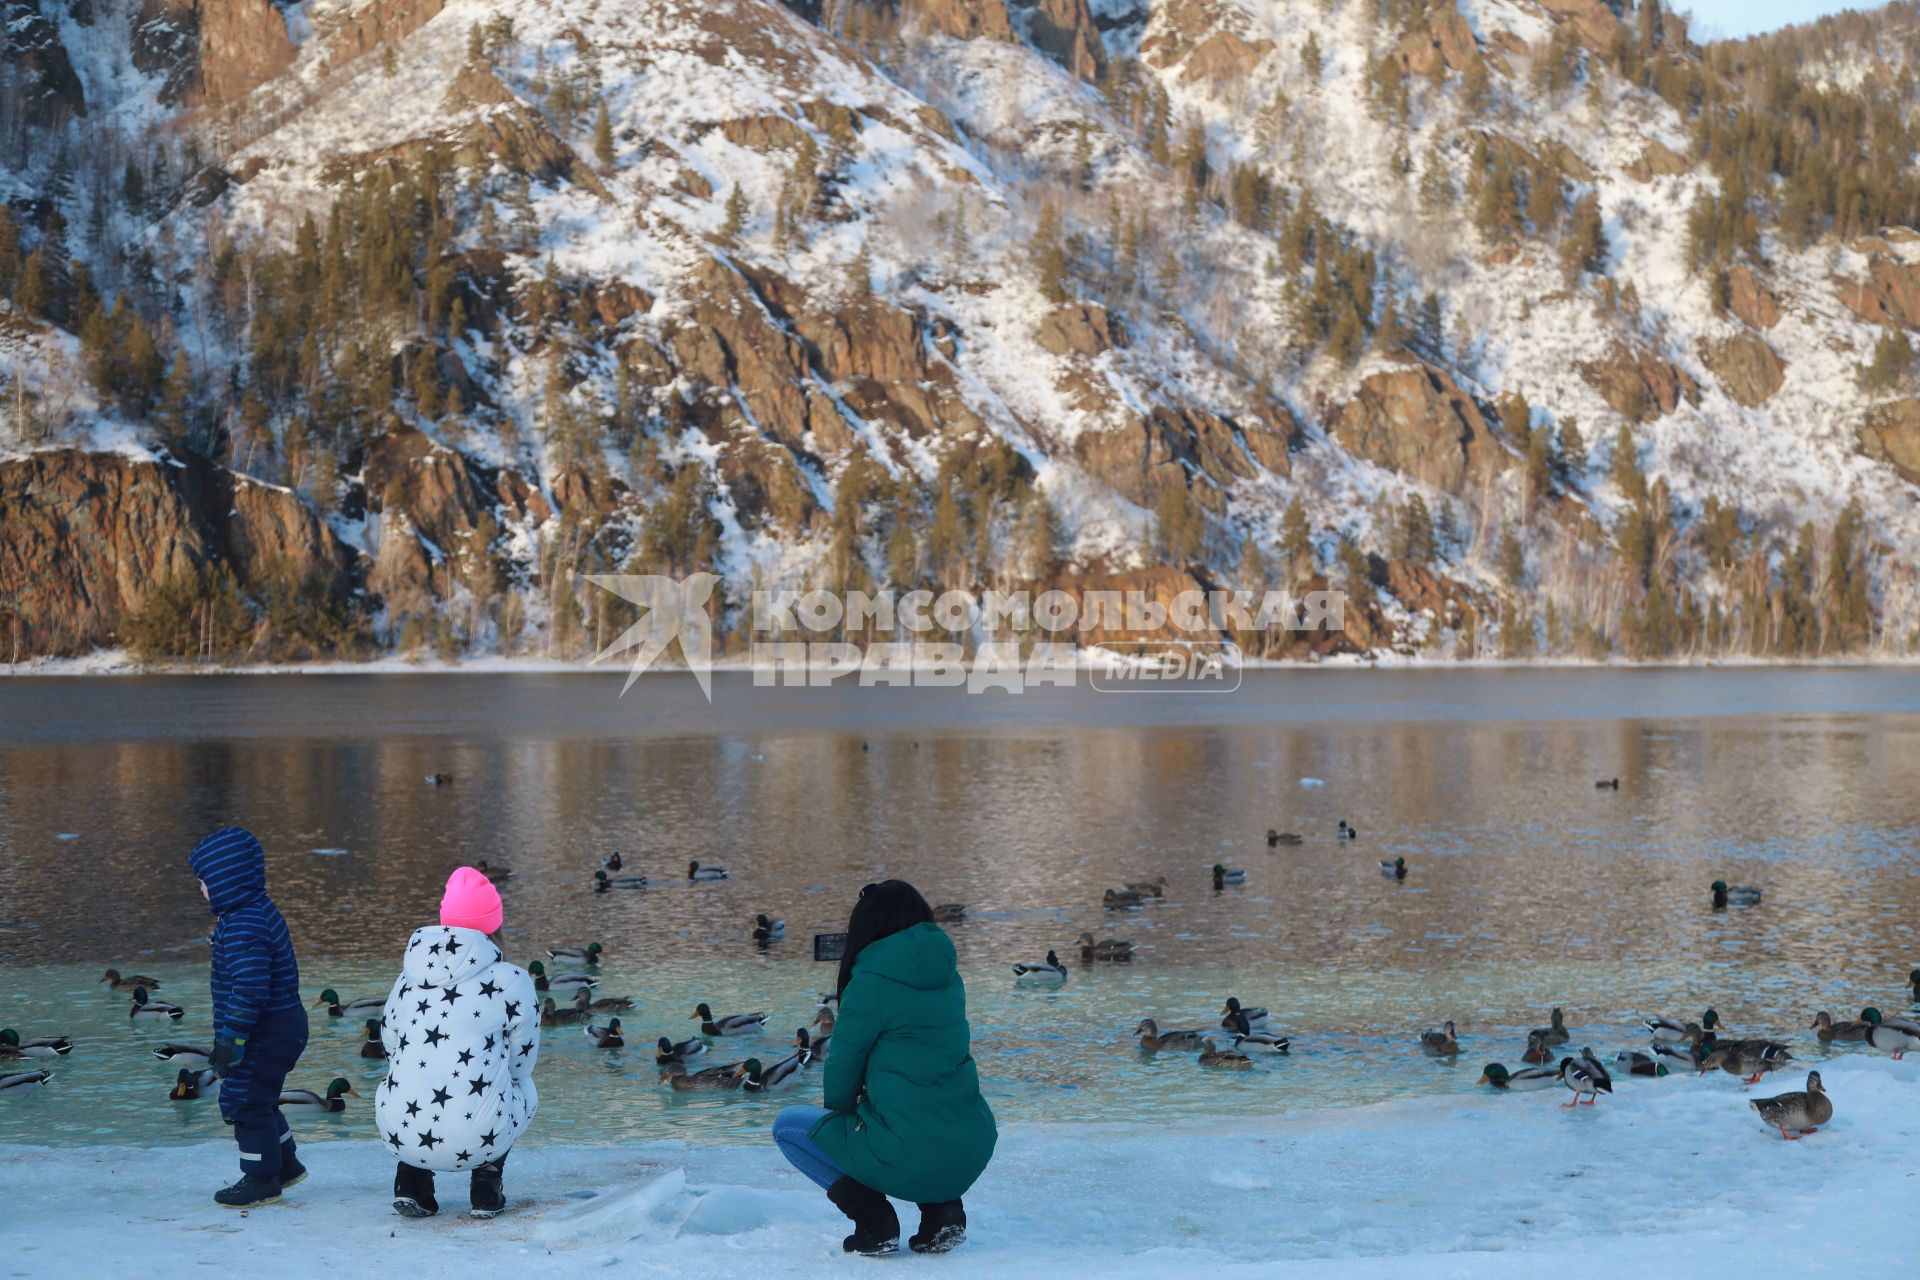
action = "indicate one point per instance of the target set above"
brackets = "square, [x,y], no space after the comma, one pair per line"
[904,1115]
[462,1034]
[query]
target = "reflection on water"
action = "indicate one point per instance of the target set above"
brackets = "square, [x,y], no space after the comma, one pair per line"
[1529,887]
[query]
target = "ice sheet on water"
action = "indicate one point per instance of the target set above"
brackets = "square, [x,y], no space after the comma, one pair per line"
[1313,782]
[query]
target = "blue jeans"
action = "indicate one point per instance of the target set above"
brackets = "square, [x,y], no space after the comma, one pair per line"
[790,1135]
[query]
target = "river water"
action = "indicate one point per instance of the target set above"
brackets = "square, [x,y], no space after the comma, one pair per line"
[1529,887]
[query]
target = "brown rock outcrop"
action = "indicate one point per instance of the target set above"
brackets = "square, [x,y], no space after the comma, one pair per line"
[1207,40]
[1747,367]
[243,44]
[1064,30]
[1638,384]
[43,78]
[1417,421]
[1890,293]
[1079,328]
[967,19]
[1891,434]
[1750,299]
[1657,160]
[1445,43]
[1595,20]
[506,127]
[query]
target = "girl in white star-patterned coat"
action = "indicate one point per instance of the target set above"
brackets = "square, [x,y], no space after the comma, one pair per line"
[462,1034]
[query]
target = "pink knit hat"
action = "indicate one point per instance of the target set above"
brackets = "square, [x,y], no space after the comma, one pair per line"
[471,902]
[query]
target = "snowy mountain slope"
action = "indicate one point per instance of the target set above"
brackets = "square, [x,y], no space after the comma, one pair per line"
[730,236]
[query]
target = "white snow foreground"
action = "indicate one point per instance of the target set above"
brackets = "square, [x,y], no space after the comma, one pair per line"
[1462,1185]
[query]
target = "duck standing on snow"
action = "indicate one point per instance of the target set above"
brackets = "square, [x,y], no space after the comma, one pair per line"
[734,1024]
[1749,1059]
[1579,1075]
[1738,895]
[1890,1035]
[1525,1080]
[118,983]
[1440,1042]
[463,1032]
[1048,970]
[1802,1112]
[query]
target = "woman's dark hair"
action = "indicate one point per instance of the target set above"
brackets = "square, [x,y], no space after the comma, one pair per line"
[883,910]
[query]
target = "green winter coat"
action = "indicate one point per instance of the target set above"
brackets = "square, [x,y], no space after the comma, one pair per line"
[906,1116]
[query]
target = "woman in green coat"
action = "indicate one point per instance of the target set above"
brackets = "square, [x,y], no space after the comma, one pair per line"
[904,1115]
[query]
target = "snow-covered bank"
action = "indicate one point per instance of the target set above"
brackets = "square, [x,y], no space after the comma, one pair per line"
[1665,1170]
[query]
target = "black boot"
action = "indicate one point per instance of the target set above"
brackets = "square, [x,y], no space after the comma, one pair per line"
[291,1170]
[249,1193]
[942,1226]
[413,1192]
[876,1228]
[484,1193]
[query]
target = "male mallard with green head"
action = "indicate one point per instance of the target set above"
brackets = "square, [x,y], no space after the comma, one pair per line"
[1890,1035]
[1734,895]
[306,1100]
[1525,1080]
[734,1024]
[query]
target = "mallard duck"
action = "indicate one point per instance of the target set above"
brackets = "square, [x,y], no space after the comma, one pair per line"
[1890,1035]
[118,983]
[1275,838]
[612,861]
[1395,869]
[1233,1009]
[783,1074]
[816,1049]
[1827,1030]
[767,929]
[602,882]
[583,1000]
[553,1016]
[1525,1080]
[193,1055]
[306,1100]
[1683,1056]
[829,1001]
[1804,1112]
[1537,1054]
[697,872]
[1154,1040]
[371,1046]
[823,1018]
[564,984]
[38,1047]
[438,779]
[1440,1042]
[1913,984]
[734,1024]
[1607,784]
[146,1010]
[671,1054]
[1556,1031]
[713,1079]
[589,954]
[1154,888]
[1598,1069]
[607,1037]
[948,912]
[24,1080]
[1244,1032]
[1105,949]
[1224,875]
[1749,1059]
[1120,900]
[1048,970]
[190,1084]
[1347,831]
[337,1008]
[492,873]
[1636,1063]
[1212,1055]
[1579,1076]
[1738,895]
[1665,1030]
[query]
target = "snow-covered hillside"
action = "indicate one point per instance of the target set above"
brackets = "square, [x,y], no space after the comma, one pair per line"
[961,293]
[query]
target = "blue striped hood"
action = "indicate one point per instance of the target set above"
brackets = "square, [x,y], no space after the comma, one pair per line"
[233,866]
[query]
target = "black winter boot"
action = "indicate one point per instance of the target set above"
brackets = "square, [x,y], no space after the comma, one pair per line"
[876,1228]
[484,1193]
[291,1170]
[249,1193]
[413,1192]
[942,1226]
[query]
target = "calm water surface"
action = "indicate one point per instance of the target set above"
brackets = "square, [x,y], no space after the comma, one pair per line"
[1529,887]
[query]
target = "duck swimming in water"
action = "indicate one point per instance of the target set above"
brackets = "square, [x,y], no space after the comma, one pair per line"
[38,1047]
[1440,1042]
[1048,970]
[146,1010]
[1537,1054]
[1277,838]
[372,1047]
[701,874]
[190,1084]
[1224,875]
[1153,1040]
[671,1054]
[734,1024]
[306,1100]
[1737,895]
[1827,1030]
[607,1037]
[1394,870]
[1105,949]
[118,983]
[1557,1032]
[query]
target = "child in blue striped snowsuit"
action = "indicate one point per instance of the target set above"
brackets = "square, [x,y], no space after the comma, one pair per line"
[259,1023]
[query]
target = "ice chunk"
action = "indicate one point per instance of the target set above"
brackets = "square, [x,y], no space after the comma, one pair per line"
[625,1214]
[1312,782]
[729,1211]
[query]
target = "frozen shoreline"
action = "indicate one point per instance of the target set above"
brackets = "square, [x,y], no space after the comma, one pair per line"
[117,662]
[1479,1185]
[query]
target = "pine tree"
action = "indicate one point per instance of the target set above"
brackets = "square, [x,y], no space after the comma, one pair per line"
[860,275]
[34,293]
[1585,248]
[736,216]
[1892,364]
[1178,525]
[1513,558]
[603,138]
[1416,526]
[1049,253]
[1311,60]
[1296,540]
[1626,472]
[903,545]
[1573,452]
